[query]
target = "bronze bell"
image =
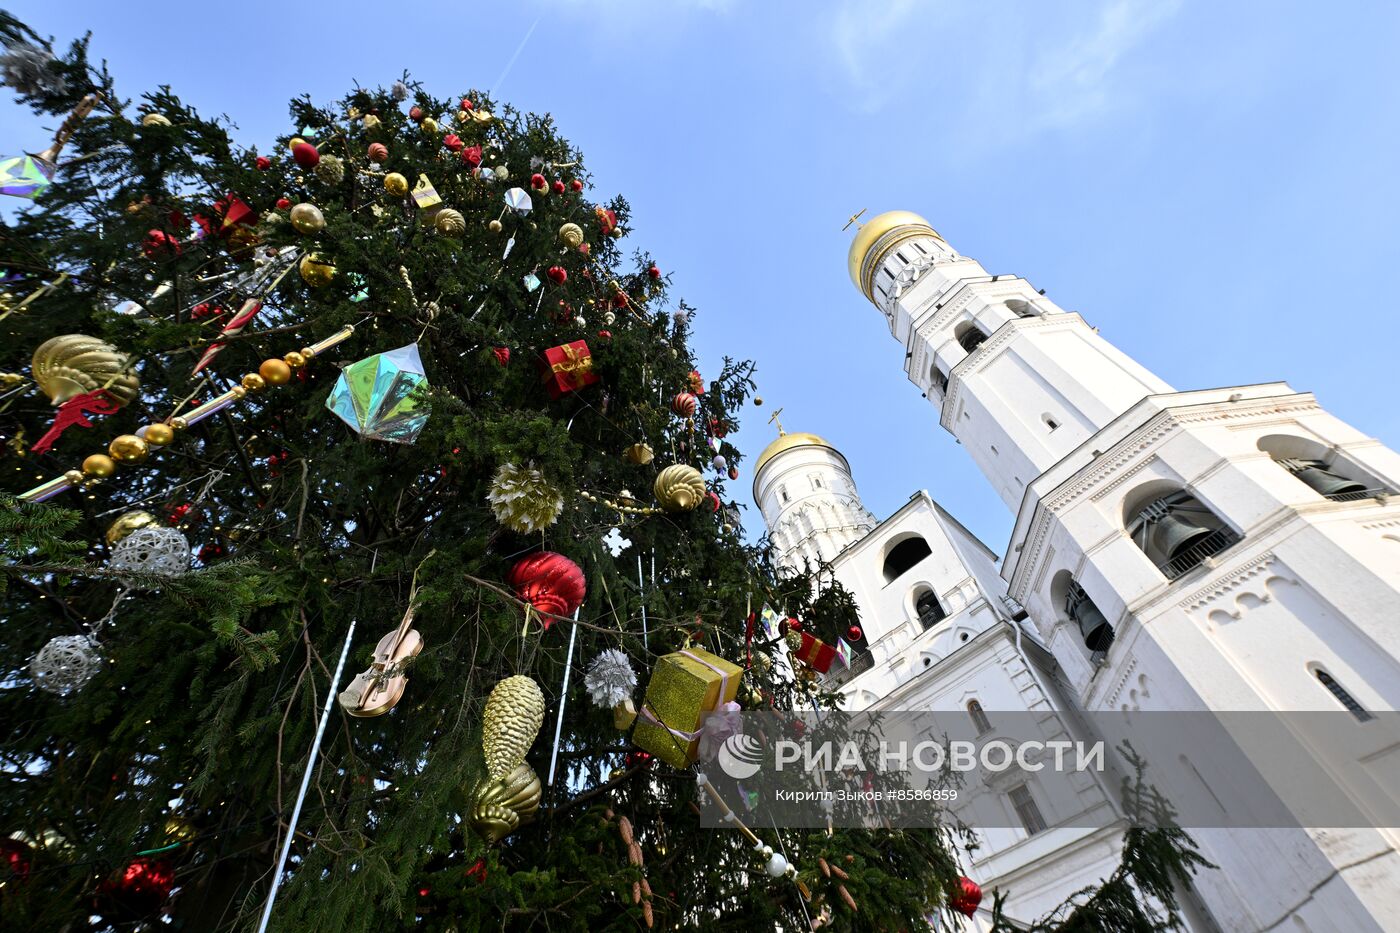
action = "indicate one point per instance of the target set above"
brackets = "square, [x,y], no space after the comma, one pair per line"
[1173,533]
[1326,482]
[1097,632]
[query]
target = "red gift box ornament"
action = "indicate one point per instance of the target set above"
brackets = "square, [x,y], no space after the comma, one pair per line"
[549,582]
[811,651]
[567,368]
[965,896]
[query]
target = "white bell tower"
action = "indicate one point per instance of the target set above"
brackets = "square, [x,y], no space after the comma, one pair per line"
[804,488]
[1233,549]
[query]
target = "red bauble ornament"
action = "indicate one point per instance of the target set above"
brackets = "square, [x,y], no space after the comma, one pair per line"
[467,104]
[453,141]
[733,472]
[684,404]
[537,181]
[654,272]
[636,758]
[377,152]
[557,187]
[620,300]
[854,633]
[965,896]
[794,624]
[159,244]
[718,428]
[576,185]
[712,500]
[139,890]
[558,275]
[471,156]
[477,871]
[17,859]
[305,155]
[502,354]
[263,163]
[283,204]
[550,582]
[415,114]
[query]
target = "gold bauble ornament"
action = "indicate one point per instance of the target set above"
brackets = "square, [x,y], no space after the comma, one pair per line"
[74,477]
[155,119]
[294,359]
[450,222]
[179,423]
[315,271]
[512,718]
[571,235]
[275,372]
[254,383]
[307,218]
[429,125]
[758,400]
[371,121]
[679,488]
[484,117]
[494,226]
[128,448]
[639,454]
[74,363]
[159,434]
[503,803]
[101,466]
[396,184]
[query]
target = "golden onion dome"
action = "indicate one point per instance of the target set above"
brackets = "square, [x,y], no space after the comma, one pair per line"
[877,238]
[788,442]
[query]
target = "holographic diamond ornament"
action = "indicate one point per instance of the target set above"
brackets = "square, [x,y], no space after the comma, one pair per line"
[518,200]
[376,396]
[25,176]
[532,282]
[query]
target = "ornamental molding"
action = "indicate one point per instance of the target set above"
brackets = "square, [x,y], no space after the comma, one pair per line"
[1230,581]
[1129,666]
[1384,523]
[998,339]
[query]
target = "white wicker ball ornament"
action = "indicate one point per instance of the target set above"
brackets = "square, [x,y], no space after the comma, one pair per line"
[65,664]
[152,549]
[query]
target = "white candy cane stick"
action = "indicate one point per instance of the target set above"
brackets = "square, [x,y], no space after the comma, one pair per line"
[563,696]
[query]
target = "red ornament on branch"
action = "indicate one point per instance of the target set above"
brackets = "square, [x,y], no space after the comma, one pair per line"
[558,275]
[467,104]
[537,181]
[415,113]
[576,185]
[502,355]
[159,244]
[549,582]
[654,272]
[139,890]
[75,411]
[283,204]
[471,156]
[453,141]
[684,404]
[263,163]
[712,500]
[557,187]
[854,633]
[306,155]
[965,896]
[377,152]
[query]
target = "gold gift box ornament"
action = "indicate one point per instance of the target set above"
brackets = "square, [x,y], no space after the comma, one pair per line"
[686,686]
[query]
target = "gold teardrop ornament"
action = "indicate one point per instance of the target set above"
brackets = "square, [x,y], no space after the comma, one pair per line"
[75,363]
[513,716]
[679,488]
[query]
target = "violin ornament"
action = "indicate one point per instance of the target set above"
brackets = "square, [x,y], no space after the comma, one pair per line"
[375,690]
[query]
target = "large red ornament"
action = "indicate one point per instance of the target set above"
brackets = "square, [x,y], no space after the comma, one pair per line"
[415,114]
[733,472]
[537,181]
[576,185]
[502,354]
[283,204]
[965,896]
[557,187]
[471,156]
[453,141]
[550,582]
[854,633]
[159,244]
[263,163]
[305,155]
[654,272]
[139,890]
[377,152]
[17,859]
[558,275]
[713,501]
[683,404]
[467,104]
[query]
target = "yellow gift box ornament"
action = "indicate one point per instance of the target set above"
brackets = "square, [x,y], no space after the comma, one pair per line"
[685,688]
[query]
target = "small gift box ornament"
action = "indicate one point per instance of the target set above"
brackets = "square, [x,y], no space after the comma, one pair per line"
[567,368]
[686,687]
[424,194]
[811,651]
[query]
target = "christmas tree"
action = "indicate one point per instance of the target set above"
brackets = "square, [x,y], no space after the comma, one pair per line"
[389,393]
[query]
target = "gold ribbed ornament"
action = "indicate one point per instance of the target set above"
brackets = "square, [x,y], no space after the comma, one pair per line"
[450,222]
[679,488]
[75,363]
[513,716]
[502,803]
[571,235]
[639,454]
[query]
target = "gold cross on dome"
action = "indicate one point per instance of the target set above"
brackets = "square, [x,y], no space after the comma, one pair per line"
[774,420]
[855,219]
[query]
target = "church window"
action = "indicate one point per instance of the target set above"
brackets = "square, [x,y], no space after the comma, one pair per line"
[969,336]
[1323,469]
[1026,810]
[1050,422]
[1097,632]
[1178,533]
[979,718]
[783,494]
[816,482]
[929,611]
[1325,480]
[994,450]
[904,556]
[940,381]
[900,254]
[920,247]
[1019,307]
[1343,697]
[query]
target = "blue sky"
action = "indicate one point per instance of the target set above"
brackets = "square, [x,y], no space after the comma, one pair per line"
[1215,186]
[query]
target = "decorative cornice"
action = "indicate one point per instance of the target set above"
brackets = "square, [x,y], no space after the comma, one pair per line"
[1224,584]
[998,339]
[1129,666]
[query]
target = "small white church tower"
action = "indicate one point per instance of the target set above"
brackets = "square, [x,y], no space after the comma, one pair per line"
[1222,549]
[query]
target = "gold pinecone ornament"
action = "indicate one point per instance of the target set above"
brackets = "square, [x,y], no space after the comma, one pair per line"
[75,363]
[510,792]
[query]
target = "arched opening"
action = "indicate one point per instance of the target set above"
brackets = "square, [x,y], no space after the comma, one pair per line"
[980,722]
[929,610]
[903,556]
[1177,532]
[1320,468]
[939,380]
[1020,307]
[1093,625]
[1342,696]
[1050,421]
[969,336]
